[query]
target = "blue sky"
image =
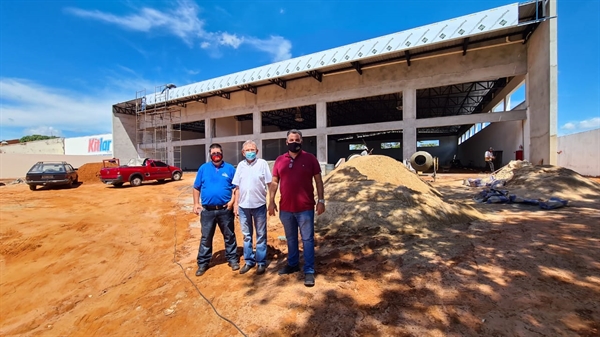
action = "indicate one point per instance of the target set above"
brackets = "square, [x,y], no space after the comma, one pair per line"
[64,63]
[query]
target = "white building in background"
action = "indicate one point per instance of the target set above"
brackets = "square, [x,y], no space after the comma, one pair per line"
[89,145]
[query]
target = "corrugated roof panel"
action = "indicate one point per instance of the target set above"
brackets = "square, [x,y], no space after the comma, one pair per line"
[383,47]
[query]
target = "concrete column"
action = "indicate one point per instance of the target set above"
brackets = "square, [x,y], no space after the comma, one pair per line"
[257,128]
[409,116]
[321,132]
[170,151]
[541,92]
[208,135]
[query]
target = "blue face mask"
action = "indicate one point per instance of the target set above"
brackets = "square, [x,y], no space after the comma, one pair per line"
[250,155]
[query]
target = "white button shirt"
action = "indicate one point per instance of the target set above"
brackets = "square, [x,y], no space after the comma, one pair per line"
[252,179]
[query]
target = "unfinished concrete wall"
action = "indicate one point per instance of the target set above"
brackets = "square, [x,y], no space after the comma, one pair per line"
[503,136]
[16,165]
[124,130]
[542,91]
[48,146]
[580,152]
[445,151]
[193,156]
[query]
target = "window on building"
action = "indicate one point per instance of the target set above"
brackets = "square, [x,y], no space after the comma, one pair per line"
[428,143]
[358,147]
[390,145]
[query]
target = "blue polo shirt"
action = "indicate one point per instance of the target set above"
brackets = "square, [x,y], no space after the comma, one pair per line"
[214,183]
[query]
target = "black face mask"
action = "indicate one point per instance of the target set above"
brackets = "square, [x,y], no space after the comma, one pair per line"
[294,147]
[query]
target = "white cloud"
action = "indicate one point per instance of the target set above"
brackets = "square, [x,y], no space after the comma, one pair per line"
[29,106]
[278,47]
[586,124]
[183,22]
[281,11]
[44,131]
[232,40]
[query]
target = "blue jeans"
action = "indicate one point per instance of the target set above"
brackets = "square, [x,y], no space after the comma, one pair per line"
[259,215]
[305,221]
[209,221]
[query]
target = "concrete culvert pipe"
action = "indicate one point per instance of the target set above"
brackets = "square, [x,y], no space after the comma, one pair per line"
[421,161]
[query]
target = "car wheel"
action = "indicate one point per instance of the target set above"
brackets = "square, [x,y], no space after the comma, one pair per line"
[176,176]
[136,181]
[32,187]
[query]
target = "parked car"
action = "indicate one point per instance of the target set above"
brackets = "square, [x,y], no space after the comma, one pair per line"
[45,173]
[137,171]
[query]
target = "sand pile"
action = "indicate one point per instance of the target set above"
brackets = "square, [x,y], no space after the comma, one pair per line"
[89,173]
[373,195]
[548,180]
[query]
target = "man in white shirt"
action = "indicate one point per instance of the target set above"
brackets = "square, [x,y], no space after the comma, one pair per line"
[489,157]
[253,178]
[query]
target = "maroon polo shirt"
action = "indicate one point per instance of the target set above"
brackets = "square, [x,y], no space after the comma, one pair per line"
[295,182]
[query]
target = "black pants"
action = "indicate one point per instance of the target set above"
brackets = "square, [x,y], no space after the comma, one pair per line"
[491,165]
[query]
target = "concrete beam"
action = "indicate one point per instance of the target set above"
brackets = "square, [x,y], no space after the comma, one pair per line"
[492,117]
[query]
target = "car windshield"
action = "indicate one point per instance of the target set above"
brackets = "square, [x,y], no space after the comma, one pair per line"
[47,168]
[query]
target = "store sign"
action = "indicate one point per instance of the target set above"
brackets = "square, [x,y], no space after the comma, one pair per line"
[96,145]
[89,145]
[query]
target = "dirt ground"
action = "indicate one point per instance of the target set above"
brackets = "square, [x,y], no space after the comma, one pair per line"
[101,261]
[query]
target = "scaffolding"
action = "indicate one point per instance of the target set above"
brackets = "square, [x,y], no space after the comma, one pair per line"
[158,127]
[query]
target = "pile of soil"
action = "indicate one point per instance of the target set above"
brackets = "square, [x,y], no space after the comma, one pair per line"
[548,180]
[377,195]
[89,173]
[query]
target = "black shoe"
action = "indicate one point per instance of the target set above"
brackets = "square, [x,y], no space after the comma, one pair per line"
[246,268]
[309,280]
[288,269]
[261,269]
[234,266]
[201,270]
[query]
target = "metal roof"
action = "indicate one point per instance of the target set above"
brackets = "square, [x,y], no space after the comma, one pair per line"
[425,38]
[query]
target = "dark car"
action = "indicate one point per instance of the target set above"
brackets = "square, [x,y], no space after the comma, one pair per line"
[51,174]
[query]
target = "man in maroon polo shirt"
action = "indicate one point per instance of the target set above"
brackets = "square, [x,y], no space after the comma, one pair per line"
[295,171]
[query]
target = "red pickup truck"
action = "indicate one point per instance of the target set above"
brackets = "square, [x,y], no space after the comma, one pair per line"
[137,171]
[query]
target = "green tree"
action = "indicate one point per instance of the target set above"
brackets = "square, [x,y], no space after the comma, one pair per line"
[31,138]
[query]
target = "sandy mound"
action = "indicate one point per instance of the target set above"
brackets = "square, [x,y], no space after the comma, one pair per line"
[373,195]
[89,173]
[548,180]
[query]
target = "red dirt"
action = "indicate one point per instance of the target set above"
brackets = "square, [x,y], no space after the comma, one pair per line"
[97,260]
[89,173]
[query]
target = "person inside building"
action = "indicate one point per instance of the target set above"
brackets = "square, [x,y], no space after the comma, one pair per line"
[253,178]
[295,170]
[489,159]
[214,196]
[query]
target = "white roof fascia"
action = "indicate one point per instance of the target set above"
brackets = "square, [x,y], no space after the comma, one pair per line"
[454,29]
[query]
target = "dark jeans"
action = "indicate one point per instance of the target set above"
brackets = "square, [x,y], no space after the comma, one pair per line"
[209,221]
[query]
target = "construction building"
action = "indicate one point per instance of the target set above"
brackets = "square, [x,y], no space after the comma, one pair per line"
[444,87]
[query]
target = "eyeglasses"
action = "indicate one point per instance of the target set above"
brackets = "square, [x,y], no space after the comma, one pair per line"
[291,163]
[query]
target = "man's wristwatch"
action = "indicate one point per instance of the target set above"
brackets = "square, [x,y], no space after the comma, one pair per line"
[321,201]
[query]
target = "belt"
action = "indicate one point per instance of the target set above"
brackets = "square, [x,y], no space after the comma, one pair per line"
[214,208]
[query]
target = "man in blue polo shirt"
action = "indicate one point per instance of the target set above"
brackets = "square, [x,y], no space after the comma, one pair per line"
[214,196]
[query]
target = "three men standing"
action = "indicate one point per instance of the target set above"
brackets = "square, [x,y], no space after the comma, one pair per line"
[216,195]
[253,178]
